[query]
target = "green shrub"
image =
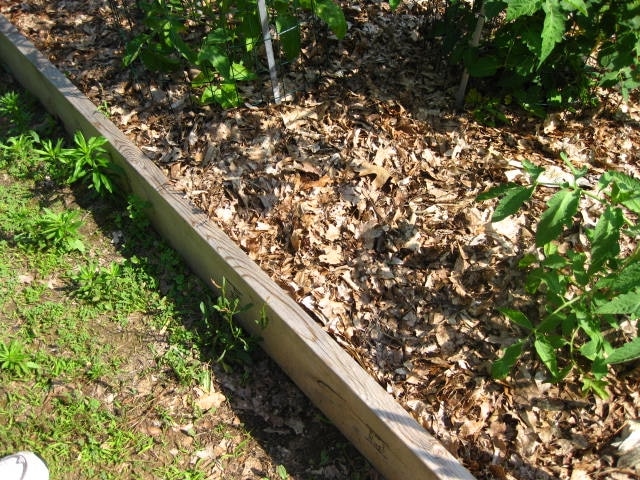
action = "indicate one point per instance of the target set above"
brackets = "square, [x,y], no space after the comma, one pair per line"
[219,40]
[586,289]
[547,53]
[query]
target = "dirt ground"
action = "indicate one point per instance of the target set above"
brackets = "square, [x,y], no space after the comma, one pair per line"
[357,197]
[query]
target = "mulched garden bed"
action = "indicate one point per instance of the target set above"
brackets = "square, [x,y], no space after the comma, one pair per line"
[358,199]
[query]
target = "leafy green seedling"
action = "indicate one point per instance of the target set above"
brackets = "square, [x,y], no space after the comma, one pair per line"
[91,163]
[16,112]
[228,342]
[59,230]
[16,155]
[282,472]
[15,360]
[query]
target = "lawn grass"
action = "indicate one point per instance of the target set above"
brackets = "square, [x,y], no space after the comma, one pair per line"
[97,324]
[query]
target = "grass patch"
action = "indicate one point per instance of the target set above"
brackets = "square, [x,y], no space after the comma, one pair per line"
[97,330]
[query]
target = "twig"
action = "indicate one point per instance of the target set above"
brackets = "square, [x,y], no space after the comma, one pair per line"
[475,41]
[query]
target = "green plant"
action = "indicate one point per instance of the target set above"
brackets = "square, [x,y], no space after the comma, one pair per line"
[227,341]
[180,359]
[219,40]
[94,284]
[52,157]
[105,109]
[15,360]
[60,230]
[547,53]
[50,151]
[122,287]
[16,155]
[28,156]
[16,112]
[90,161]
[282,472]
[136,211]
[180,473]
[486,110]
[589,286]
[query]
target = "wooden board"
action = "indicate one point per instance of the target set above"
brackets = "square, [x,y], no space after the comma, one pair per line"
[372,420]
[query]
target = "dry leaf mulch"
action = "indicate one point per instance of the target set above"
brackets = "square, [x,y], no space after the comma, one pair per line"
[358,199]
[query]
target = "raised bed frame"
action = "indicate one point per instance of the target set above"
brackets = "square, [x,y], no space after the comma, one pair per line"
[365,413]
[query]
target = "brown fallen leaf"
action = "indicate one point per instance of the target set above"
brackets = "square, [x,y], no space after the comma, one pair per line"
[210,400]
[296,239]
[298,116]
[382,174]
[332,256]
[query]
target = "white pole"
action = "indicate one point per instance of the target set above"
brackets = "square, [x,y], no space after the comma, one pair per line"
[268,45]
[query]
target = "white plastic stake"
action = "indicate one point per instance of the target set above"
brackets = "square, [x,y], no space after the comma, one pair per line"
[268,45]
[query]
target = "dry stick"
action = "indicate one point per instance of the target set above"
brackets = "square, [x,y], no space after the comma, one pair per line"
[475,41]
[268,45]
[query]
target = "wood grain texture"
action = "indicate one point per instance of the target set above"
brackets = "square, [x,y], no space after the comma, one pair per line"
[372,420]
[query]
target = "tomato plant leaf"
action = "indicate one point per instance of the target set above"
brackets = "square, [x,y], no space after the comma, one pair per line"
[495,192]
[533,170]
[554,261]
[606,236]
[288,28]
[627,352]
[519,8]
[159,61]
[481,66]
[330,13]
[579,5]
[501,367]
[513,199]
[394,4]
[624,304]
[625,189]
[561,209]
[240,73]
[590,349]
[623,280]
[553,28]
[594,385]
[225,94]
[547,354]
[517,317]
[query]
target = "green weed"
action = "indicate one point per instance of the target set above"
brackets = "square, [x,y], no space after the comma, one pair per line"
[180,473]
[182,362]
[16,111]
[16,155]
[56,230]
[90,163]
[282,472]
[15,360]
[227,341]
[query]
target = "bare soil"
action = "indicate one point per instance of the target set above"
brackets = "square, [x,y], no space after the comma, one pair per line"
[357,197]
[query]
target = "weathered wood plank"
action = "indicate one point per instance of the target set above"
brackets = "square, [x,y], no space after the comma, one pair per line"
[373,421]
